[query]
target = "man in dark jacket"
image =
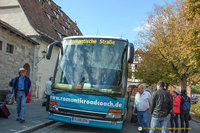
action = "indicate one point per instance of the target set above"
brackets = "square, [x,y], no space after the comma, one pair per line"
[21,86]
[185,111]
[161,105]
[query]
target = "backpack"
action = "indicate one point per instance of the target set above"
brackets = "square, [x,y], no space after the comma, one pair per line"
[186,104]
[11,83]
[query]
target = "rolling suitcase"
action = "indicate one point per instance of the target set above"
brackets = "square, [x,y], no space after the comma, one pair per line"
[44,104]
[4,112]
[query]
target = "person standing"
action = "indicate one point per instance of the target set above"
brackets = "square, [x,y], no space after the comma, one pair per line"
[185,111]
[48,91]
[176,111]
[21,86]
[161,105]
[142,104]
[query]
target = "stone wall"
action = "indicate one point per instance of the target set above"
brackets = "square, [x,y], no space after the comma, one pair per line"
[10,63]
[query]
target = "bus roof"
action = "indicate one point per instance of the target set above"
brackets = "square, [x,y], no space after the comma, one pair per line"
[105,37]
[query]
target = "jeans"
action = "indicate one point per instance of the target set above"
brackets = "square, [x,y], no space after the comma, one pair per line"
[184,119]
[21,100]
[143,120]
[158,123]
[174,120]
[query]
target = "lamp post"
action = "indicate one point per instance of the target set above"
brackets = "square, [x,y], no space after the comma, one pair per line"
[43,54]
[40,58]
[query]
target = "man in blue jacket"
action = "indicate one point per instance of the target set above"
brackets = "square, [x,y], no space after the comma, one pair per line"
[21,86]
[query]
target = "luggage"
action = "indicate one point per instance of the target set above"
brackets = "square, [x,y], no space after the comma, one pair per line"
[4,112]
[28,97]
[190,118]
[9,99]
[134,117]
[44,104]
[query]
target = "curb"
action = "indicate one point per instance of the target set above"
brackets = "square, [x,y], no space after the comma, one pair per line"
[194,119]
[35,127]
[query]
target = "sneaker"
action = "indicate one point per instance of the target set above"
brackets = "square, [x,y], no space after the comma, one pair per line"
[22,120]
[18,119]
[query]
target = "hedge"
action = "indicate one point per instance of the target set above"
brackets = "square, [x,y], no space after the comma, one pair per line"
[196,109]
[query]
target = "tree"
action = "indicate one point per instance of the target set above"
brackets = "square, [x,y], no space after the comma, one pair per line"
[194,8]
[152,69]
[172,42]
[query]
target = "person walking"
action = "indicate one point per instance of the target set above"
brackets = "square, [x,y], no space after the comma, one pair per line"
[185,111]
[161,105]
[175,111]
[21,86]
[48,91]
[142,104]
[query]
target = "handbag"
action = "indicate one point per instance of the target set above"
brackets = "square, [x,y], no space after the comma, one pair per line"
[190,118]
[134,117]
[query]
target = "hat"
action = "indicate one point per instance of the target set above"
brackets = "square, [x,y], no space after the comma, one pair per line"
[177,91]
[22,69]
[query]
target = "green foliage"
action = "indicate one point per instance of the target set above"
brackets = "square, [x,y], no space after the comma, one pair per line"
[196,89]
[152,69]
[196,109]
[173,44]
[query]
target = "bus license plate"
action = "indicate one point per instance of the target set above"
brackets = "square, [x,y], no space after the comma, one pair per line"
[80,120]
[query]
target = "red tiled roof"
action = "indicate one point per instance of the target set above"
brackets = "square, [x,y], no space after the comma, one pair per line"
[139,51]
[37,16]
[17,32]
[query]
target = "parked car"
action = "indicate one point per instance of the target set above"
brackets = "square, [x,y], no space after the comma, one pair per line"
[194,100]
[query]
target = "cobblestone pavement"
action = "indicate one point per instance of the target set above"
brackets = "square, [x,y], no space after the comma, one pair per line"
[35,114]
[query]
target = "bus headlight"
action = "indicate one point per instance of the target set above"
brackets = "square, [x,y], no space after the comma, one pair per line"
[53,106]
[114,114]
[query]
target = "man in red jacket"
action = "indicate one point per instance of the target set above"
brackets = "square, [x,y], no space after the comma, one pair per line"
[176,111]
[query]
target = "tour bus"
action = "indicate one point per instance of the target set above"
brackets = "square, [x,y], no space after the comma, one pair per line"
[90,81]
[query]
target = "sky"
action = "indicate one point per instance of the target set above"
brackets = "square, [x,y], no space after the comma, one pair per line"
[120,18]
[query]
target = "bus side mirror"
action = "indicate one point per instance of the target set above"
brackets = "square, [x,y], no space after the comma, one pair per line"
[50,47]
[130,53]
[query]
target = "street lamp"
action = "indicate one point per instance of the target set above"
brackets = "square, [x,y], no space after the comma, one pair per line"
[40,58]
[43,53]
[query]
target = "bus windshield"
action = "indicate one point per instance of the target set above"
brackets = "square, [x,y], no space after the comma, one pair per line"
[96,64]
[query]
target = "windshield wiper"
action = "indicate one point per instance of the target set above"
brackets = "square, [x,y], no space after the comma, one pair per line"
[60,91]
[106,94]
[94,91]
[55,91]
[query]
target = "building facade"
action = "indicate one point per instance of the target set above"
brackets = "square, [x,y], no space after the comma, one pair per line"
[44,22]
[16,50]
[133,67]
